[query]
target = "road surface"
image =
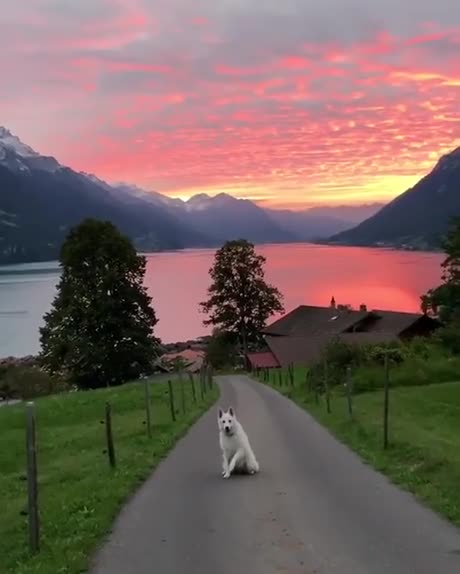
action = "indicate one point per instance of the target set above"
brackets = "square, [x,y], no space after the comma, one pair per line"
[315,508]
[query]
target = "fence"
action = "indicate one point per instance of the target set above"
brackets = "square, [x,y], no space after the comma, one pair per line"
[188,400]
[285,377]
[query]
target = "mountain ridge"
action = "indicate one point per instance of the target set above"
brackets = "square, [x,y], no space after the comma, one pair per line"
[419,218]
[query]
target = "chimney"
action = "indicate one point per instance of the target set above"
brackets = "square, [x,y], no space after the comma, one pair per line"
[332,305]
[363,307]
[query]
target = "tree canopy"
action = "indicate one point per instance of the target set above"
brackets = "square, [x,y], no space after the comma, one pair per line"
[445,299]
[239,299]
[100,329]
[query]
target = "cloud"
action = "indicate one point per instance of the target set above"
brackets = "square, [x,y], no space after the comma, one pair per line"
[291,102]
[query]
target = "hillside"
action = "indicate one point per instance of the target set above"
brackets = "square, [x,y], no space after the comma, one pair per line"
[417,219]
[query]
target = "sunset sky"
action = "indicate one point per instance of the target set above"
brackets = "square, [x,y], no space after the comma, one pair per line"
[291,102]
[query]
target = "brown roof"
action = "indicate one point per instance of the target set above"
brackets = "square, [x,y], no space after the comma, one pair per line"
[307,320]
[265,360]
[301,335]
[392,321]
[297,350]
[307,350]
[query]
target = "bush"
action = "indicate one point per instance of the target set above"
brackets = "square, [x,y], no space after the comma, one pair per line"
[222,350]
[449,337]
[418,362]
[28,383]
[414,371]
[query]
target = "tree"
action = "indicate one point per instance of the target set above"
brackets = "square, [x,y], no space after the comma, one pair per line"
[221,350]
[99,331]
[239,300]
[445,299]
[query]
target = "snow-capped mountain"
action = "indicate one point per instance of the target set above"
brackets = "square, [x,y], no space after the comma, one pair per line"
[8,141]
[40,200]
[17,156]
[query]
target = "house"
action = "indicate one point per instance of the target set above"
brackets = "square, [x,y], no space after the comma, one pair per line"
[300,336]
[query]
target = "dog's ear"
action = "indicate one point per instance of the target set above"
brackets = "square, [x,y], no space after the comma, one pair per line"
[221,414]
[231,412]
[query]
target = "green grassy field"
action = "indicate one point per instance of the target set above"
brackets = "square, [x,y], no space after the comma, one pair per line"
[79,494]
[424,425]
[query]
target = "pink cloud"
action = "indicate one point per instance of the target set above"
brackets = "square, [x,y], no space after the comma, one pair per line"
[187,102]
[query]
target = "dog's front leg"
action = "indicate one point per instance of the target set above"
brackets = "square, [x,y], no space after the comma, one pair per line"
[225,471]
[235,458]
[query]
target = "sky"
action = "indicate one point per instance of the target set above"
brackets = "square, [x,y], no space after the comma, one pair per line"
[288,102]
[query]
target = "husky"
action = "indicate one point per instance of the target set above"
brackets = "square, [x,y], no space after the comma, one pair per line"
[237,453]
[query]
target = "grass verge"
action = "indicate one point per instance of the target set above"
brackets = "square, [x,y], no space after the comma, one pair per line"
[79,495]
[424,430]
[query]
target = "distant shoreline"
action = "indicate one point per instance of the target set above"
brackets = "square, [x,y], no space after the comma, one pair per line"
[6,268]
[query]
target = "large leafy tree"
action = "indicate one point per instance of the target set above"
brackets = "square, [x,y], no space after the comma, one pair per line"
[99,331]
[239,299]
[444,300]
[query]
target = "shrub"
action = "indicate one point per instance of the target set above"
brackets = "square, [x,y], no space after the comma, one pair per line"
[222,350]
[414,371]
[449,337]
[28,383]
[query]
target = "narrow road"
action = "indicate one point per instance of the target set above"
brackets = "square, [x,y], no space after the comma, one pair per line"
[315,508]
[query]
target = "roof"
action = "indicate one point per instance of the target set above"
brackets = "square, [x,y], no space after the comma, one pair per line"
[392,321]
[301,335]
[307,320]
[297,350]
[263,360]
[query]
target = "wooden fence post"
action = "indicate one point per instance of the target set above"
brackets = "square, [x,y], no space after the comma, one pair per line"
[109,434]
[326,388]
[315,388]
[171,401]
[386,404]
[192,383]
[182,392]
[202,386]
[292,374]
[32,482]
[349,389]
[147,407]
[210,373]
[280,377]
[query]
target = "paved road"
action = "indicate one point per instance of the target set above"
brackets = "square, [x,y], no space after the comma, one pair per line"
[313,509]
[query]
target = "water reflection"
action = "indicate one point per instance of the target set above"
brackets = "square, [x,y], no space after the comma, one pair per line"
[178,281]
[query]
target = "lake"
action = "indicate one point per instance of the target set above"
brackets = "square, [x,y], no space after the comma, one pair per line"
[177,281]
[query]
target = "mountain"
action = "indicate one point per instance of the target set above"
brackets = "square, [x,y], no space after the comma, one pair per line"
[320,222]
[225,217]
[353,214]
[222,217]
[417,219]
[308,226]
[40,200]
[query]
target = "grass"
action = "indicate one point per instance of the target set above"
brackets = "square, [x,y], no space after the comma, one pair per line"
[79,495]
[424,431]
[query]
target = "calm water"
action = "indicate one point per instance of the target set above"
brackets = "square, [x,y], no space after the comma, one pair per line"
[177,282]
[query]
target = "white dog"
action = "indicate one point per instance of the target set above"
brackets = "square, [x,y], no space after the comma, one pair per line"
[236,451]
